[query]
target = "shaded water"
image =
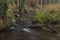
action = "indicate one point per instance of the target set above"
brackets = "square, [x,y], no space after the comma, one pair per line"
[28,34]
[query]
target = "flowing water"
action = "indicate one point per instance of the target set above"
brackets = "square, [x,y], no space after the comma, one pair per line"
[28,34]
[23,32]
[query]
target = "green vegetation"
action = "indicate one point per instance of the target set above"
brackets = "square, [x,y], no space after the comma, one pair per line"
[6,14]
[9,17]
[3,9]
[47,17]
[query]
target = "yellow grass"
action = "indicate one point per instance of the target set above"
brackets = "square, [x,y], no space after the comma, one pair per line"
[52,7]
[2,25]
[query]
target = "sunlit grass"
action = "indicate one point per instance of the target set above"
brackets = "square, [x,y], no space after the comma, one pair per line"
[50,13]
[2,25]
[52,7]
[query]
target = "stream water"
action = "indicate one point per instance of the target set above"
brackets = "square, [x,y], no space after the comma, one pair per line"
[28,34]
[23,32]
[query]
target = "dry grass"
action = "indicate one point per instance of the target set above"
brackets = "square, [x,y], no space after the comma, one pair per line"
[2,25]
[52,7]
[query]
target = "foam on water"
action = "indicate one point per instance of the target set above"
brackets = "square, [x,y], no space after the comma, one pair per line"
[27,30]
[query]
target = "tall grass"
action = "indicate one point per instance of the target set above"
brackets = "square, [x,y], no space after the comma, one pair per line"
[9,15]
[50,14]
[52,7]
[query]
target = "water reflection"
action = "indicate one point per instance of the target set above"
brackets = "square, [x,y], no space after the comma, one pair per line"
[27,34]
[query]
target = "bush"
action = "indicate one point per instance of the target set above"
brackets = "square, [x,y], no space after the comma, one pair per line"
[47,17]
[9,16]
[39,16]
[52,17]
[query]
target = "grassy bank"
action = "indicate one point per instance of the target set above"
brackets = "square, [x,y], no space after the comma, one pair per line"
[48,16]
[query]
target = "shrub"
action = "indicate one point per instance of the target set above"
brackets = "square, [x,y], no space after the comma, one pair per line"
[52,17]
[47,17]
[39,16]
[9,16]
